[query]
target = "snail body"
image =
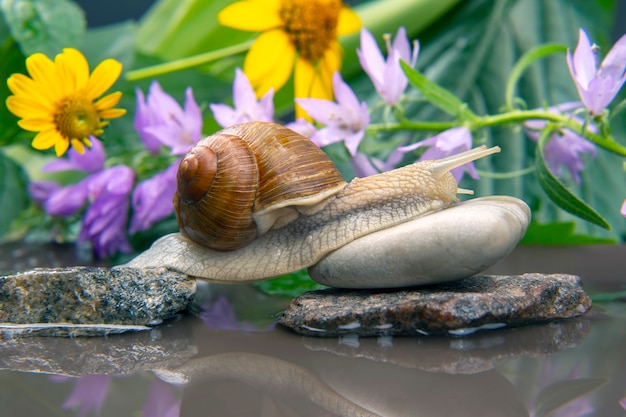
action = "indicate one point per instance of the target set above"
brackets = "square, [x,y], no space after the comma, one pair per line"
[311,212]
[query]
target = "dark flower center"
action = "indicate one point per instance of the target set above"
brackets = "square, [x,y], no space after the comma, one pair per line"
[311,25]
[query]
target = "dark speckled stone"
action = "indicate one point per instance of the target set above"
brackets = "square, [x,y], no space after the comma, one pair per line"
[457,308]
[93,296]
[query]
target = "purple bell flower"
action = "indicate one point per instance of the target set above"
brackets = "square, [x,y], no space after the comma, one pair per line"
[160,120]
[345,120]
[246,107]
[387,74]
[597,87]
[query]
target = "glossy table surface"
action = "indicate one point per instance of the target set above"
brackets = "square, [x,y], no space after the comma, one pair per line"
[227,358]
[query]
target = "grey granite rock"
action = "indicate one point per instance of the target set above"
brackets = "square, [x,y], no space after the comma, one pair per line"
[458,308]
[88,301]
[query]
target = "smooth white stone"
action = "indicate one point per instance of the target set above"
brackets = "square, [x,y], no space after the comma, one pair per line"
[447,245]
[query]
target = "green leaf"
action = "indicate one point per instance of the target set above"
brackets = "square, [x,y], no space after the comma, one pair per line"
[560,195]
[13,191]
[112,41]
[45,26]
[12,62]
[436,94]
[291,285]
[561,233]
[173,29]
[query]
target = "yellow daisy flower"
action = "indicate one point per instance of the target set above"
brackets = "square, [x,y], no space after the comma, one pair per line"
[58,99]
[306,27]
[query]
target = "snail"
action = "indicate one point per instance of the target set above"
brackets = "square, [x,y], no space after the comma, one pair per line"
[257,200]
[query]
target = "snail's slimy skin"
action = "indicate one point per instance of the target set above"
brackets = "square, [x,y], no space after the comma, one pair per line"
[400,198]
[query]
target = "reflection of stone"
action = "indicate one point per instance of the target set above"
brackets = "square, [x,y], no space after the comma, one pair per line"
[468,355]
[457,308]
[163,347]
[87,296]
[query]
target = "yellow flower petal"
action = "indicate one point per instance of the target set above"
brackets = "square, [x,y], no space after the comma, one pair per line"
[21,85]
[103,77]
[61,146]
[108,101]
[27,108]
[78,146]
[349,22]
[269,62]
[75,66]
[45,74]
[254,16]
[315,81]
[46,140]
[112,113]
[36,125]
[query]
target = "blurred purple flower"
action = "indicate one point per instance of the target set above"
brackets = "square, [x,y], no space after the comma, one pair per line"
[88,395]
[623,211]
[40,191]
[564,148]
[106,191]
[90,161]
[303,127]
[161,401]
[387,75]
[449,142]
[160,120]
[365,166]
[221,315]
[104,223]
[597,87]
[345,120]
[246,107]
[152,199]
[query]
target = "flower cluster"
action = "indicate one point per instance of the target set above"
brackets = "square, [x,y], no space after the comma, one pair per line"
[109,191]
[66,106]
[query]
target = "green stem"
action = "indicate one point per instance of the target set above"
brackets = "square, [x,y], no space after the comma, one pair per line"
[188,62]
[515,116]
[563,120]
[409,125]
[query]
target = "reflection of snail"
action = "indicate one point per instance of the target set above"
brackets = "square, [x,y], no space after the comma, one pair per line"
[258,200]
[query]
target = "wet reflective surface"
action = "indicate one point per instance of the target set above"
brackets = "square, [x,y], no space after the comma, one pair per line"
[228,359]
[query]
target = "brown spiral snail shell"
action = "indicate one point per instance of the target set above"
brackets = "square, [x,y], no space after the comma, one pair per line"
[247,179]
[257,200]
